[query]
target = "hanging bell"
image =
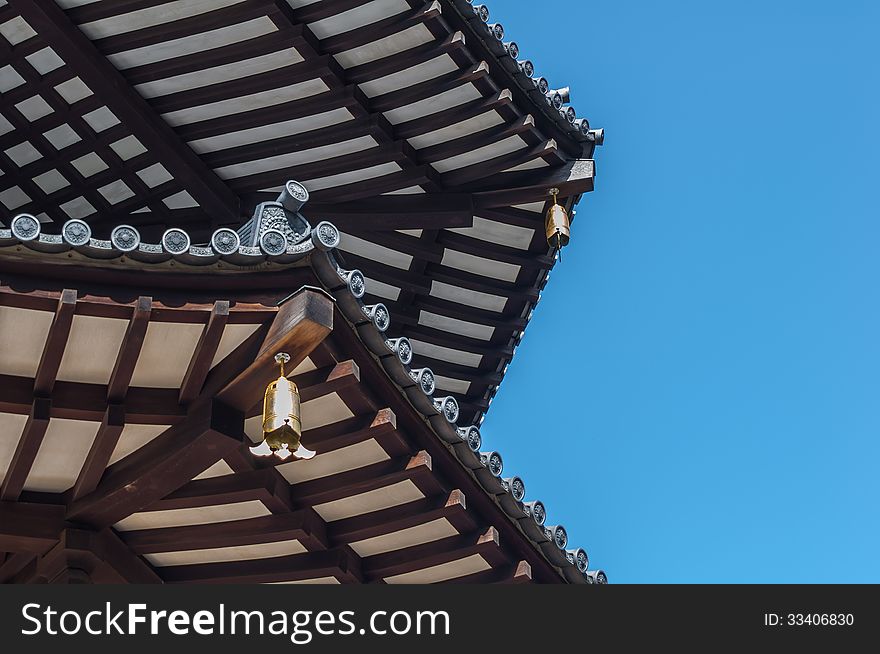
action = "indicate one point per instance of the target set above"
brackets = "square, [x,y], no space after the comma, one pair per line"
[282,428]
[557,225]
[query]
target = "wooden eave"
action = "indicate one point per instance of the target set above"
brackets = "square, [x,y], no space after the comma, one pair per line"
[358,129]
[50,536]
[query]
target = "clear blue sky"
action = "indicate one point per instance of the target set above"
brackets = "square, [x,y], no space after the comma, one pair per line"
[697,398]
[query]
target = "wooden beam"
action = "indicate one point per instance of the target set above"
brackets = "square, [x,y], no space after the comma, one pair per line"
[49,20]
[391,212]
[221,56]
[302,525]
[130,350]
[429,88]
[347,432]
[298,108]
[380,30]
[265,82]
[100,452]
[420,435]
[14,564]
[200,364]
[210,430]
[83,556]
[501,102]
[451,507]
[121,561]
[477,140]
[519,573]
[382,153]
[263,485]
[301,323]
[339,563]
[30,527]
[79,401]
[438,552]
[416,469]
[572,179]
[547,117]
[243,486]
[372,187]
[26,450]
[548,151]
[320,137]
[56,342]
[69,561]
[323,381]
[411,57]
[153,35]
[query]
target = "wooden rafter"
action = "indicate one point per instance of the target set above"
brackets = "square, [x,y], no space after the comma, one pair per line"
[450,506]
[418,557]
[303,525]
[56,342]
[166,463]
[132,342]
[339,563]
[100,452]
[26,450]
[100,75]
[206,349]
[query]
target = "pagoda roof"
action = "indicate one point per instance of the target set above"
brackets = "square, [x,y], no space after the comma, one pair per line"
[409,122]
[134,414]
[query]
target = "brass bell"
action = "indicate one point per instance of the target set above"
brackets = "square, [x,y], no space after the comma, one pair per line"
[557,225]
[282,428]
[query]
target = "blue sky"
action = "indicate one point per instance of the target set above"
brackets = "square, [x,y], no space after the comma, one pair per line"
[696,398]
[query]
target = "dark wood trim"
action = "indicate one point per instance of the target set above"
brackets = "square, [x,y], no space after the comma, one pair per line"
[184,27]
[130,567]
[14,564]
[452,507]
[269,80]
[200,364]
[407,59]
[105,81]
[574,178]
[210,430]
[297,567]
[300,525]
[351,431]
[367,188]
[480,171]
[224,55]
[301,323]
[500,102]
[372,477]
[447,463]
[381,29]
[243,486]
[323,381]
[428,88]
[26,450]
[29,527]
[418,557]
[132,342]
[100,452]
[519,573]
[56,342]
[376,155]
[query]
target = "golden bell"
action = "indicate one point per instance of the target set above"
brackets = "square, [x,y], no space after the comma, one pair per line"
[557,225]
[282,428]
